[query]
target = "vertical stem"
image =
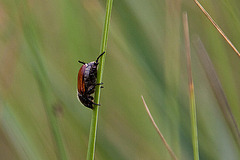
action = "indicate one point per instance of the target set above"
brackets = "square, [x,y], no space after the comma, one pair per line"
[93,128]
[191,89]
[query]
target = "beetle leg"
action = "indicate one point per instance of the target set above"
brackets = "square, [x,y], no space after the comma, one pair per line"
[90,90]
[91,97]
[96,104]
[100,84]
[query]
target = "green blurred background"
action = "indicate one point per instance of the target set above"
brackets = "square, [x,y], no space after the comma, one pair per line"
[41,42]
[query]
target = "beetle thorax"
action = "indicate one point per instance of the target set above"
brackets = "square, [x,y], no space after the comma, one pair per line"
[90,74]
[91,68]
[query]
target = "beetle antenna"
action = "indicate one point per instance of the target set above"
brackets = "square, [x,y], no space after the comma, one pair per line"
[81,62]
[99,56]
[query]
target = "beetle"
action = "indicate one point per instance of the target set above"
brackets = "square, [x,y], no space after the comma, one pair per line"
[87,81]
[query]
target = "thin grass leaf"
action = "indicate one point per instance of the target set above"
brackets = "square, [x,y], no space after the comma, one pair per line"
[217,88]
[93,127]
[159,132]
[191,89]
[25,148]
[40,73]
[217,27]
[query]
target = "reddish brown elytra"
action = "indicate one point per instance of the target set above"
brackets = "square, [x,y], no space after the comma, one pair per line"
[87,78]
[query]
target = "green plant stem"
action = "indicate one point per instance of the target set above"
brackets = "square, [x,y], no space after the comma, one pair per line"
[93,127]
[194,125]
[191,89]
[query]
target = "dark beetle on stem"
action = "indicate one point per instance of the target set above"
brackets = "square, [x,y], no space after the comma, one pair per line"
[87,78]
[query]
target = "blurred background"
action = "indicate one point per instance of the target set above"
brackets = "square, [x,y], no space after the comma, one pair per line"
[41,42]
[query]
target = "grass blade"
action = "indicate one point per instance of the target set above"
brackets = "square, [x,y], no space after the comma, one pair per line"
[191,89]
[217,27]
[31,37]
[24,147]
[159,132]
[217,88]
[93,127]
